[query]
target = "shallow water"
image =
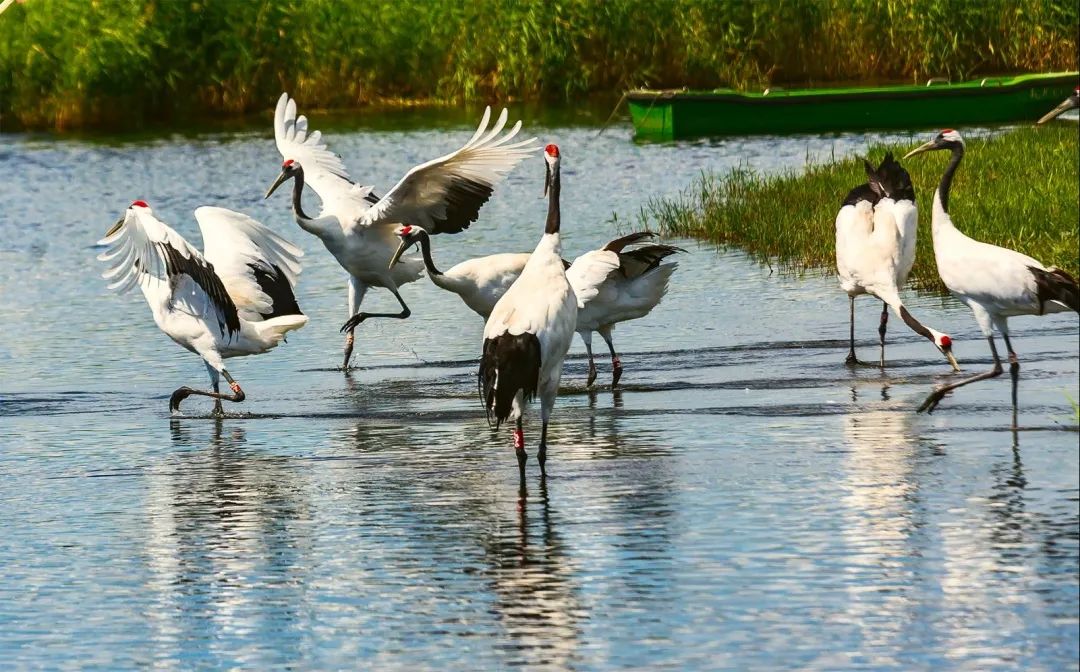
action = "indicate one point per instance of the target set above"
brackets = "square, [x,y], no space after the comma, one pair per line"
[744,501]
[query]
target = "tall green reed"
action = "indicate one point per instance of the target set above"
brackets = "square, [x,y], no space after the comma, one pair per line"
[85,62]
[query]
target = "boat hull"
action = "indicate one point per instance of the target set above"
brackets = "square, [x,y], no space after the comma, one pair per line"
[670,115]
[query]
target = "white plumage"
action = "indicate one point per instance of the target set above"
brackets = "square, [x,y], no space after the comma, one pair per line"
[440,196]
[480,282]
[875,249]
[611,285]
[528,333]
[233,300]
[995,282]
[616,285]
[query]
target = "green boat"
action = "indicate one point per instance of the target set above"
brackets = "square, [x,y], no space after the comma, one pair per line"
[676,114]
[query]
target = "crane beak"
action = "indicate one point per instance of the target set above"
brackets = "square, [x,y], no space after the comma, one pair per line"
[952,360]
[277,183]
[1065,106]
[919,150]
[400,251]
[115,227]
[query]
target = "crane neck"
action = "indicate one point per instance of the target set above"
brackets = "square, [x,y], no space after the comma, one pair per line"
[429,263]
[327,228]
[553,216]
[947,177]
[302,217]
[914,324]
[451,283]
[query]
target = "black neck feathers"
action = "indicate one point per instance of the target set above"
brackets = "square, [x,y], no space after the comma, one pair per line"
[425,247]
[553,216]
[946,179]
[298,190]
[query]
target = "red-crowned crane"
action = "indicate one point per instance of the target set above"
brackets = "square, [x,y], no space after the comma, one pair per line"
[995,282]
[611,284]
[875,249]
[233,299]
[615,285]
[529,331]
[480,282]
[1070,103]
[441,196]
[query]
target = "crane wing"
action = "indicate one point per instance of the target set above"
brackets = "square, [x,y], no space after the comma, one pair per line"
[324,171]
[257,267]
[145,251]
[445,195]
[589,271]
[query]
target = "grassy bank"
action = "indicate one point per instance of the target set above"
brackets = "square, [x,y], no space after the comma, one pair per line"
[1018,190]
[70,63]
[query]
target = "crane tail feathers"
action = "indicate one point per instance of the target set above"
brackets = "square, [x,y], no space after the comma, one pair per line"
[1055,284]
[509,364]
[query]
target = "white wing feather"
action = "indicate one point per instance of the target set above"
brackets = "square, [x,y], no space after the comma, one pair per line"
[134,250]
[145,251]
[324,171]
[234,242]
[589,272]
[445,195]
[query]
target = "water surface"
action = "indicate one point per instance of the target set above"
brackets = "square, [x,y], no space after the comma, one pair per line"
[744,501]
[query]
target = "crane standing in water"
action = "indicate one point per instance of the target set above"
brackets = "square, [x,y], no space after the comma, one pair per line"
[875,249]
[995,282]
[529,331]
[233,299]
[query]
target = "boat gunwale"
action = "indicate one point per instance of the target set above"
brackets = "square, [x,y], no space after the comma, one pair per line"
[805,96]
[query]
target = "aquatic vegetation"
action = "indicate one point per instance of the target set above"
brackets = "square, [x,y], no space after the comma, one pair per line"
[1018,190]
[69,63]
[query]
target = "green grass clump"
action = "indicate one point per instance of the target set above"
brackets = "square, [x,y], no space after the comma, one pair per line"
[69,63]
[1018,190]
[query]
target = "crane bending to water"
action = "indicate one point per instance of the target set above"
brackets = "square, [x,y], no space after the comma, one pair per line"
[480,282]
[875,250]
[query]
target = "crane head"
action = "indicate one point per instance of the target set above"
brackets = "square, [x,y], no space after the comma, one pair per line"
[947,139]
[289,169]
[551,165]
[944,345]
[1065,105]
[410,235]
[120,222]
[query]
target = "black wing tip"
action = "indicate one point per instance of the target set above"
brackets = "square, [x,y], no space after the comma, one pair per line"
[649,255]
[618,244]
[863,192]
[464,198]
[895,179]
[203,274]
[273,283]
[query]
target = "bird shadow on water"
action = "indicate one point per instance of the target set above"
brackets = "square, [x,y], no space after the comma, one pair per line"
[530,575]
[222,511]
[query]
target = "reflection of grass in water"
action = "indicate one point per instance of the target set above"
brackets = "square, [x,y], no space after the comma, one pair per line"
[1075,407]
[74,62]
[1018,190]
